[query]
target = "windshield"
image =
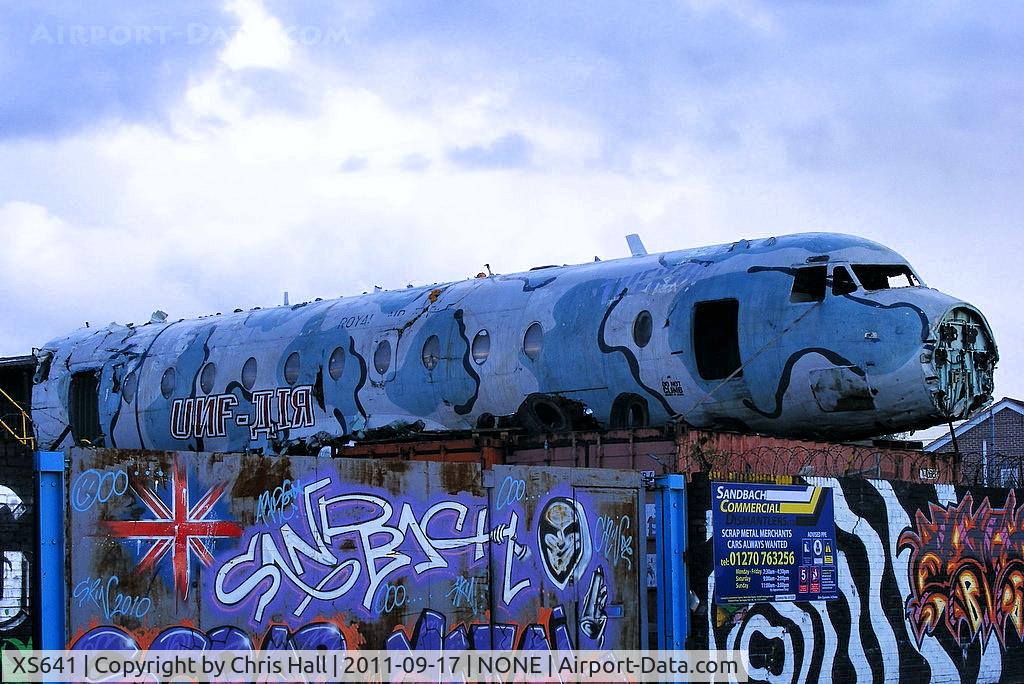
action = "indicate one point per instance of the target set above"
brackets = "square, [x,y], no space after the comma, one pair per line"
[885,276]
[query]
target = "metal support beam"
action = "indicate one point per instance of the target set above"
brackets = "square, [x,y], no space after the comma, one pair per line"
[50,552]
[673,596]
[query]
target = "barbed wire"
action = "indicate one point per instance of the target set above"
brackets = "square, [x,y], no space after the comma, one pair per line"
[819,460]
[992,469]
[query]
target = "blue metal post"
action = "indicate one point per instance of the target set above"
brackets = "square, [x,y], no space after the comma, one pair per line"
[50,552]
[673,592]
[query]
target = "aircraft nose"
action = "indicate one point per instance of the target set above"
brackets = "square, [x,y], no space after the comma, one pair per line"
[963,359]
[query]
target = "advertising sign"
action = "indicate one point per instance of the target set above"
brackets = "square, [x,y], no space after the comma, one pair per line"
[773,542]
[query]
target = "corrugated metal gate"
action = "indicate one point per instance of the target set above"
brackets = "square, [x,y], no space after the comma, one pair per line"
[180,550]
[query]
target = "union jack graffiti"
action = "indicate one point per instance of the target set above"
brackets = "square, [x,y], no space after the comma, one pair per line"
[180,529]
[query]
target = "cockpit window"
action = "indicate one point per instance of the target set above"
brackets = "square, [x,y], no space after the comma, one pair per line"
[842,281]
[886,276]
[808,284]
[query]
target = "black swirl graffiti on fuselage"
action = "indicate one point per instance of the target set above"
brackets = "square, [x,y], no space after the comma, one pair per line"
[60,438]
[631,360]
[195,378]
[362,376]
[859,300]
[787,373]
[467,364]
[777,269]
[528,287]
[236,385]
[138,367]
[117,414]
[129,357]
[895,305]
[664,262]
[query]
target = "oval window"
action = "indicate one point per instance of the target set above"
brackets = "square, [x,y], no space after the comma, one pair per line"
[291,368]
[167,383]
[533,340]
[382,357]
[431,352]
[131,383]
[481,347]
[206,378]
[336,364]
[643,326]
[249,373]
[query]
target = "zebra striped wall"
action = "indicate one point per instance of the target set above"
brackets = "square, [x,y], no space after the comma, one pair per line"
[931,589]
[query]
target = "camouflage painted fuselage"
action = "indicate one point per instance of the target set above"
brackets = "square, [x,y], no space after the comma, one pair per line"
[838,364]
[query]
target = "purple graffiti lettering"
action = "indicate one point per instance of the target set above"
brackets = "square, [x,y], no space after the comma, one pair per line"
[430,633]
[105,638]
[229,638]
[368,529]
[181,639]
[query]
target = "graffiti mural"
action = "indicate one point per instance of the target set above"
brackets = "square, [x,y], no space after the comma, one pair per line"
[931,588]
[17,535]
[966,571]
[187,550]
[564,540]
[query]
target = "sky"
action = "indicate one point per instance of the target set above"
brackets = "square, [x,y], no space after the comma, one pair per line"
[197,157]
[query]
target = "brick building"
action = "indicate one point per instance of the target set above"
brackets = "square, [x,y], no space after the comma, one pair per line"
[991,445]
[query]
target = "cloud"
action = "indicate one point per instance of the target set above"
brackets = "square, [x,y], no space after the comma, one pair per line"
[260,40]
[353,164]
[508,151]
[415,162]
[207,170]
[67,65]
[195,217]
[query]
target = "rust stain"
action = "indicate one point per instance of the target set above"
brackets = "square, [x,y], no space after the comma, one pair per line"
[257,474]
[461,477]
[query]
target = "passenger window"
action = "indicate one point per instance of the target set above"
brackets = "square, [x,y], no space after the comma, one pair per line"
[481,347]
[716,342]
[206,378]
[842,282]
[808,284]
[167,383]
[131,384]
[431,352]
[533,341]
[643,327]
[382,357]
[291,368]
[249,373]
[336,363]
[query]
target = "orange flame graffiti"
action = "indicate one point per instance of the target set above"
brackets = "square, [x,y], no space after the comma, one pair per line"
[967,571]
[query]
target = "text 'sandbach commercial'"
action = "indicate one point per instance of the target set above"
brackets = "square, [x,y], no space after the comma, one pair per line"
[773,543]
